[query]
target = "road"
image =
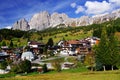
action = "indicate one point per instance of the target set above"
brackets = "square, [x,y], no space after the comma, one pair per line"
[49,65]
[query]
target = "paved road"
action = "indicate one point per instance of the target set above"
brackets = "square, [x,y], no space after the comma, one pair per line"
[49,65]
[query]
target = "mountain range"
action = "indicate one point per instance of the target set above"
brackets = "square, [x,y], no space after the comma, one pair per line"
[44,20]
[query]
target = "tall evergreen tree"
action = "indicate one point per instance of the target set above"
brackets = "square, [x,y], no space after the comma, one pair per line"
[107,52]
[102,49]
[113,48]
[11,44]
[50,42]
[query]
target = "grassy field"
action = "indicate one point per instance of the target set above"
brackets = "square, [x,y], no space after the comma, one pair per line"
[104,75]
[68,35]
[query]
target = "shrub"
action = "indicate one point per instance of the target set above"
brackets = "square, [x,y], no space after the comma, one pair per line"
[45,69]
[51,53]
[15,68]
[22,66]
[3,65]
[77,63]
[9,61]
[35,64]
[57,64]
[25,66]
[71,59]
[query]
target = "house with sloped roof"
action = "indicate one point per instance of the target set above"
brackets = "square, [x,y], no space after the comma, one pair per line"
[36,47]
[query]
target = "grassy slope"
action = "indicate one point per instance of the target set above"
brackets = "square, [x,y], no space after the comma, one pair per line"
[107,75]
[68,35]
[118,35]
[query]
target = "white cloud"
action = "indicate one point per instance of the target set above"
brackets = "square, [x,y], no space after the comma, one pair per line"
[115,3]
[8,27]
[97,7]
[73,5]
[79,9]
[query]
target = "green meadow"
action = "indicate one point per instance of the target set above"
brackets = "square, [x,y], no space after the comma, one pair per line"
[99,75]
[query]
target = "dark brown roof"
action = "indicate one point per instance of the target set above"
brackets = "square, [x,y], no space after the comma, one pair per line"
[35,43]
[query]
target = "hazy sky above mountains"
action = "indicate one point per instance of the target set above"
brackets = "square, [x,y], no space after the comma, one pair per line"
[13,10]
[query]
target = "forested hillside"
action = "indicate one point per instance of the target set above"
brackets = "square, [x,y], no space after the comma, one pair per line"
[20,38]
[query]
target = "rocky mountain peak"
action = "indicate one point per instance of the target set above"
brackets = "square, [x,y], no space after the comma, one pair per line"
[21,24]
[57,19]
[45,20]
[40,21]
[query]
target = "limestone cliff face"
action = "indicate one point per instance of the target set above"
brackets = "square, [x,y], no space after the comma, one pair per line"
[45,20]
[57,19]
[106,17]
[40,21]
[83,21]
[21,25]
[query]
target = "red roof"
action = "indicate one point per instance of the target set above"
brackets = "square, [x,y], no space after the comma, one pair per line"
[73,42]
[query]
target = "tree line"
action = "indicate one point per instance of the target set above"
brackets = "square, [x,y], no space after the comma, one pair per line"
[107,53]
[8,34]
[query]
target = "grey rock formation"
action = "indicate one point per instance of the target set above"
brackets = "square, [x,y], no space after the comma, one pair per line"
[44,20]
[21,25]
[57,19]
[106,17]
[40,21]
[83,21]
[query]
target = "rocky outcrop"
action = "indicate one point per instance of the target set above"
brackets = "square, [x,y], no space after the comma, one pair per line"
[106,17]
[21,25]
[83,21]
[40,21]
[57,19]
[44,20]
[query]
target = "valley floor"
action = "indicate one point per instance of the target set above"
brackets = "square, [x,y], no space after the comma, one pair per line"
[102,75]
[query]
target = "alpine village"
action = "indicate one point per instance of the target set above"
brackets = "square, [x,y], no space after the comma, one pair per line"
[56,47]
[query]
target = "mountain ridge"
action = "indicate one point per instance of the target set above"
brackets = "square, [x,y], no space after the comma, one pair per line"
[44,20]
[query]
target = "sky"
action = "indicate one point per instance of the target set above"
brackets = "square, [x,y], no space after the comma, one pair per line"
[13,10]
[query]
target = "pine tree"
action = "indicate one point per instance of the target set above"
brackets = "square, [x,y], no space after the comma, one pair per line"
[107,52]
[50,42]
[102,49]
[113,50]
[11,44]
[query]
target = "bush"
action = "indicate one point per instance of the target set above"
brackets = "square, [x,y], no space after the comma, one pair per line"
[25,66]
[15,68]
[57,64]
[9,61]
[35,64]
[77,63]
[22,66]
[45,69]
[51,53]
[71,59]
[3,65]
